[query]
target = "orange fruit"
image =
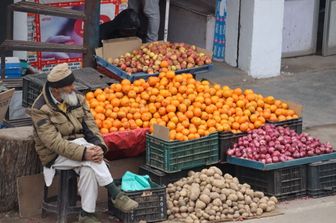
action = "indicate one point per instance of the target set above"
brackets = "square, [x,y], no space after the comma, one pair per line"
[164,64]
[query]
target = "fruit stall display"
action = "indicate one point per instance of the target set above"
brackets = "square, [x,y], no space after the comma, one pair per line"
[157,56]
[188,107]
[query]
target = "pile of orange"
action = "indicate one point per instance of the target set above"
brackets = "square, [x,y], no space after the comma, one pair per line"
[189,108]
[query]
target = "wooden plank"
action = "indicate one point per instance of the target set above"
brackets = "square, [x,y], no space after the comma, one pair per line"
[38,46]
[91,31]
[32,7]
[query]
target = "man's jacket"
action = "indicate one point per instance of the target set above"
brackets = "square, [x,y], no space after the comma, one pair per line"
[54,129]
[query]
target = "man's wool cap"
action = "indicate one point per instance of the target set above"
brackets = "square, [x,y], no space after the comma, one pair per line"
[60,76]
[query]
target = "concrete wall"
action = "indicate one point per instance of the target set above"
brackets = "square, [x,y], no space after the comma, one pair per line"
[231,32]
[260,40]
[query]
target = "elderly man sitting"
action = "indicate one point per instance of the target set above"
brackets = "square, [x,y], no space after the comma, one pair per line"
[66,137]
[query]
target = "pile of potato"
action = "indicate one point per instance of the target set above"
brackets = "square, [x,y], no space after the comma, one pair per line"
[209,196]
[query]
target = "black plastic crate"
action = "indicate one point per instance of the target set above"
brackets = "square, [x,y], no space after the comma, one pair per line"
[152,205]
[322,178]
[295,124]
[284,183]
[174,156]
[32,86]
[92,78]
[226,141]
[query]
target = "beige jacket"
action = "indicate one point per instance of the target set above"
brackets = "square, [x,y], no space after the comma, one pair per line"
[54,129]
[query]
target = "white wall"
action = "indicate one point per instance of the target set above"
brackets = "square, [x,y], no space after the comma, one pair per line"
[260,40]
[231,32]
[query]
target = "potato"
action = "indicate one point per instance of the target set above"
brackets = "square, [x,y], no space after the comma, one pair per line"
[190,209]
[218,177]
[254,205]
[212,218]
[240,196]
[193,216]
[183,209]
[205,171]
[217,170]
[226,192]
[253,210]
[222,197]
[206,216]
[209,186]
[274,199]
[191,204]
[245,215]
[203,177]
[183,192]
[200,204]
[217,202]
[217,218]
[189,220]
[175,210]
[199,214]
[194,191]
[235,180]
[270,208]
[236,215]
[229,203]
[234,186]
[184,215]
[263,206]
[250,193]
[248,199]
[263,200]
[205,198]
[256,200]
[228,176]
[242,189]
[206,191]
[210,172]
[259,211]
[197,180]
[210,212]
[259,194]
[232,197]
[191,173]
[222,217]
[214,195]
[171,217]
[216,208]
[270,203]
[175,202]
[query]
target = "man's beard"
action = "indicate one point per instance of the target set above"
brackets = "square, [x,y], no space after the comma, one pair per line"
[70,99]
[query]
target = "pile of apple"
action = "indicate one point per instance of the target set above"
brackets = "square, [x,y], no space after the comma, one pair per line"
[151,57]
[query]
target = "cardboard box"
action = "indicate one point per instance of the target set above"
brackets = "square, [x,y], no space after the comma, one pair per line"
[5,98]
[114,48]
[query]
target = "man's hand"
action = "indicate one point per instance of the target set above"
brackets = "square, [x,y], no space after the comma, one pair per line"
[99,156]
[95,154]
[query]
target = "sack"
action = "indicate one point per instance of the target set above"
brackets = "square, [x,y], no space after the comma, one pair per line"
[125,144]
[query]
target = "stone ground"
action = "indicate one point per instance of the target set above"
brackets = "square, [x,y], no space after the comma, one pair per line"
[309,81]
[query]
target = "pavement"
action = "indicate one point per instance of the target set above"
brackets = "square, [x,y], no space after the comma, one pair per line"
[309,81]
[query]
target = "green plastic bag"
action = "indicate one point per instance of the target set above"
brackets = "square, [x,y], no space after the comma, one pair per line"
[134,182]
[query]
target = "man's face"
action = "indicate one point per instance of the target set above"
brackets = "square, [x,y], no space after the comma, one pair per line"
[68,95]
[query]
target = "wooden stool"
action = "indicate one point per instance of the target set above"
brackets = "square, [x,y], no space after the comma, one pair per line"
[64,203]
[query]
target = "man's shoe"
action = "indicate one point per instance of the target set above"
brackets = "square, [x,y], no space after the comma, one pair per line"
[88,218]
[124,203]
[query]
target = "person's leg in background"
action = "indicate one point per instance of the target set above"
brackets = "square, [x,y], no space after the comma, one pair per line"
[151,9]
[135,5]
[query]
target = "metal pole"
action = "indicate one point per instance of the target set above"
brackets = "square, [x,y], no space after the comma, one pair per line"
[91,30]
[165,35]
[3,63]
